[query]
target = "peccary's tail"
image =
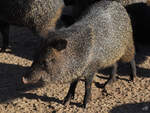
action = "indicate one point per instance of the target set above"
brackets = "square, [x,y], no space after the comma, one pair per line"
[129,53]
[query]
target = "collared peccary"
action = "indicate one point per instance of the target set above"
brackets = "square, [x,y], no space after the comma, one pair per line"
[79,7]
[38,15]
[99,39]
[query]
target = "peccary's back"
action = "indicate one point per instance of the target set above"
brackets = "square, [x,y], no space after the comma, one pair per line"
[111,32]
[128,2]
[31,13]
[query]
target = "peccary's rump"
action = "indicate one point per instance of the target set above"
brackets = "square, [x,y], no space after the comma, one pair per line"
[99,39]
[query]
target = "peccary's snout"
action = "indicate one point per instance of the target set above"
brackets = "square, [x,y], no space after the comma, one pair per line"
[34,74]
[28,79]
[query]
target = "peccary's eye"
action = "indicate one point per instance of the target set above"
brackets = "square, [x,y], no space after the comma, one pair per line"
[59,44]
[43,64]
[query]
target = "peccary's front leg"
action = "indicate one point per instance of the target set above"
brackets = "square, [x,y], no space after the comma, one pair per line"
[133,69]
[4,27]
[71,92]
[88,84]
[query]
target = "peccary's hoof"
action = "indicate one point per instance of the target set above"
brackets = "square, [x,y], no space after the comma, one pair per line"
[72,96]
[105,93]
[87,99]
[67,100]
[109,82]
[84,106]
[112,80]
[3,50]
[131,80]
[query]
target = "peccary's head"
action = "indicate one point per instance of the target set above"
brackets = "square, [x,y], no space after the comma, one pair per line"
[50,60]
[62,57]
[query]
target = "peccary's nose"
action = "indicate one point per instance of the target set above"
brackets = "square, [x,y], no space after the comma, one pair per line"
[26,81]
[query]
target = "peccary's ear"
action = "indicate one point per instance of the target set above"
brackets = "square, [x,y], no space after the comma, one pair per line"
[58,44]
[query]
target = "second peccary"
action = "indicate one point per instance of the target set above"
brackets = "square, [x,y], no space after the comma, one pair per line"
[38,15]
[99,39]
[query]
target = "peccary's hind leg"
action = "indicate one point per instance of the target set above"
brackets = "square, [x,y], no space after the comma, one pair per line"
[88,84]
[112,77]
[71,92]
[133,69]
[4,27]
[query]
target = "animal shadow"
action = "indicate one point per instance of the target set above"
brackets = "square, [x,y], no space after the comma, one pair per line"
[132,108]
[10,82]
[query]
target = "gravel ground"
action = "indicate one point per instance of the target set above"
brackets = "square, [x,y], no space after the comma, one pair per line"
[124,96]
